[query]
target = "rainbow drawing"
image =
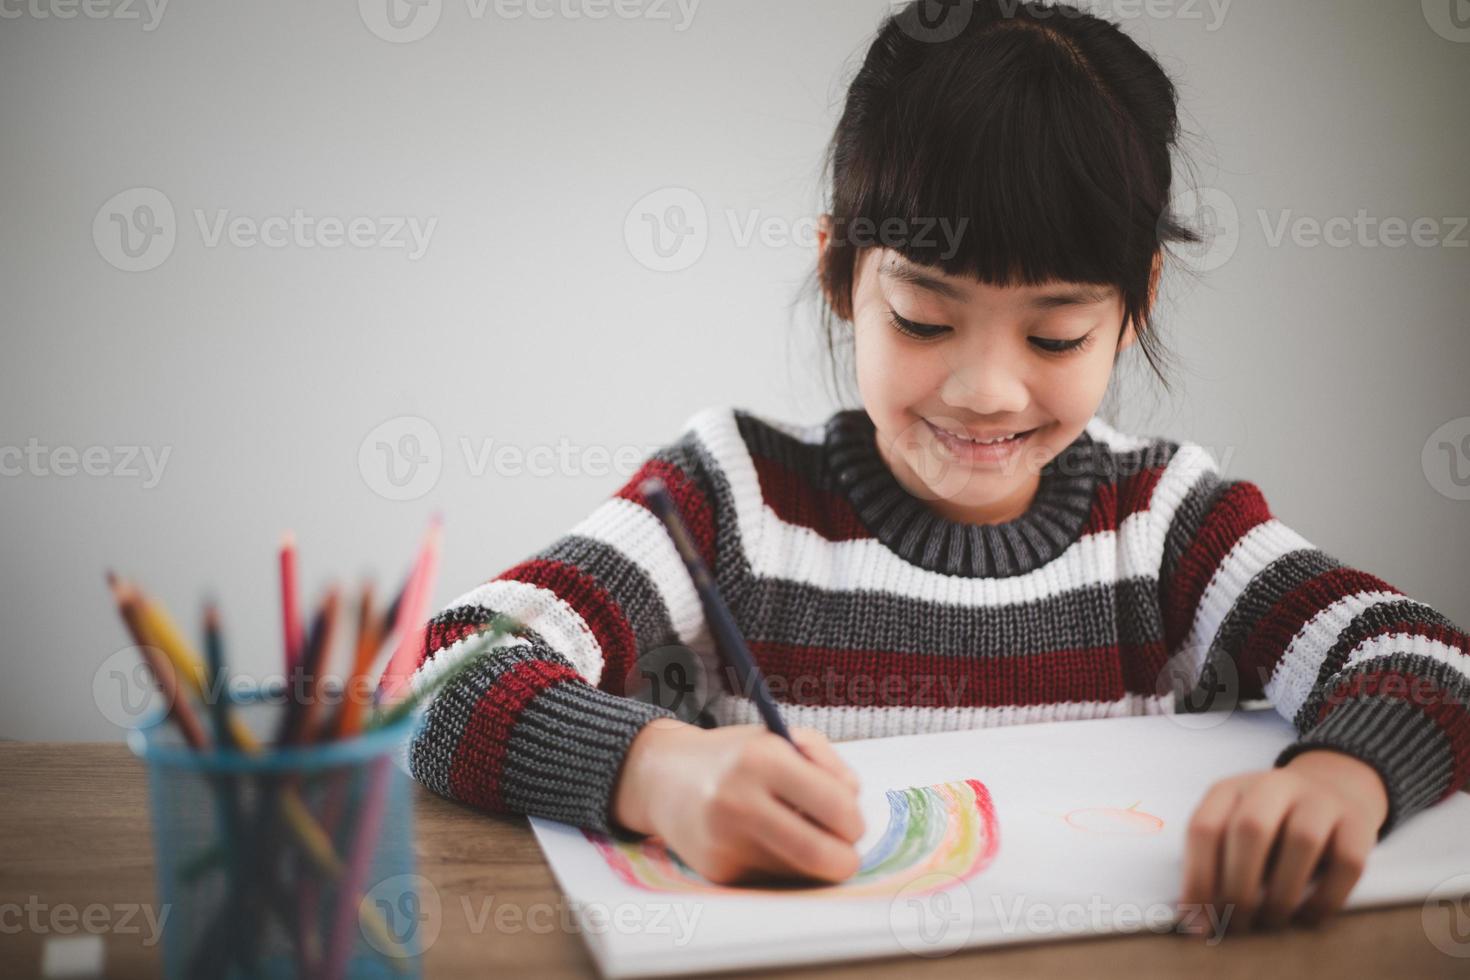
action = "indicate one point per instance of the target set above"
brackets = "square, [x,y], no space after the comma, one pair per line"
[948,830]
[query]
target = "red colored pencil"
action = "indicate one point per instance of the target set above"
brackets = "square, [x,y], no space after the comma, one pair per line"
[411,617]
[290,611]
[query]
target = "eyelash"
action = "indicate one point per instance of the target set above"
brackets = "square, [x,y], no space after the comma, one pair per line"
[915,330]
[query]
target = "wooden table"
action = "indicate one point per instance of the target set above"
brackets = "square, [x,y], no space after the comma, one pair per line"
[74,831]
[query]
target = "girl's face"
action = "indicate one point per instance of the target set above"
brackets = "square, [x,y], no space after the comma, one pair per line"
[979,361]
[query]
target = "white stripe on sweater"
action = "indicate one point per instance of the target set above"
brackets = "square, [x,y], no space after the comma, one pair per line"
[779,549]
[865,721]
[559,624]
[636,535]
[1295,674]
[1256,549]
[1391,643]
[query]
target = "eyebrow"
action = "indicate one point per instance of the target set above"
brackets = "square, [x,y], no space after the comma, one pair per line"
[1055,299]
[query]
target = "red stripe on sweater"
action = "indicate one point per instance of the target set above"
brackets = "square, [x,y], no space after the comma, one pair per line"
[441,635]
[598,608]
[479,757]
[1240,508]
[694,507]
[822,676]
[1431,700]
[797,502]
[1136,493]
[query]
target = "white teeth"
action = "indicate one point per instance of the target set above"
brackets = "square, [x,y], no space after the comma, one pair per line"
[985,442]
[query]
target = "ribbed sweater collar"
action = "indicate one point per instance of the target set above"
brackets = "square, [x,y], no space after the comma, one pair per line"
[920,535]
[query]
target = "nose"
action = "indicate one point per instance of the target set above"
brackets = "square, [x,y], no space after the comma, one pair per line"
[986,383]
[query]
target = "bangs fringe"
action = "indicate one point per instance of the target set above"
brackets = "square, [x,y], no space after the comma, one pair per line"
[1043,156]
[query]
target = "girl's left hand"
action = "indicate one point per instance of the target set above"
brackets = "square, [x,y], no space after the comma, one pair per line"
[1270,831]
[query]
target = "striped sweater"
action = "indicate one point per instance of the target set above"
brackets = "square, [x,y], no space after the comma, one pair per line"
[1139,581]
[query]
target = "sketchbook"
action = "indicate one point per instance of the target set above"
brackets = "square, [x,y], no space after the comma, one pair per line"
[983,837]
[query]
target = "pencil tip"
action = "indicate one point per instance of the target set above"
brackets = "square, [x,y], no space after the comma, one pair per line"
[288,540]
[111,578]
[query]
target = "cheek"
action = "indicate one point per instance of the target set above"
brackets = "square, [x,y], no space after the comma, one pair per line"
[894,375]
[1072,394]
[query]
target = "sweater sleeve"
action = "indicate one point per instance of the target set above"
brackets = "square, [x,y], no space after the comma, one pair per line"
[1356,665]
[540,724]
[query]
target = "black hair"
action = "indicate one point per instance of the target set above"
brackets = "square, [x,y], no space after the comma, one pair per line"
[1040,133]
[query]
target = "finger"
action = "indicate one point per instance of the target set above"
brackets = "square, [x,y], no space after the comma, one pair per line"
[1303,842]
[1202,852]
[820,795]
[819,750]
[1347,853]
[1248,838]
[803,846]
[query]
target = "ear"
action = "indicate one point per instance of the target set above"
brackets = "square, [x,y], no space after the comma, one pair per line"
[1129,334]
[1153,278]
[824,242]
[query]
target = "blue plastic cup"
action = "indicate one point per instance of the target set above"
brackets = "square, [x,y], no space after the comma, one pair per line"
[288,862]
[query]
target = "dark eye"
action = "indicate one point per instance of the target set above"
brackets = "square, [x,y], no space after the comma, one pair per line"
[919,331]
[1061,346]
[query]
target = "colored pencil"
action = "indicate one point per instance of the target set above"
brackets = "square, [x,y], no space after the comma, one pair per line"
[290,612]
[369,637]
[410,624]
[231,817]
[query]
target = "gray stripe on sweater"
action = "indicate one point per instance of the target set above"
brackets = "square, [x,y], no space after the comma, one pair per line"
[1404,745]
[1188,519]
[565,748]
[783,611]
[1370,622]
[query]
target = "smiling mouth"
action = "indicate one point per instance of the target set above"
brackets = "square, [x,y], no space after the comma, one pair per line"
[987,455]
[970,441]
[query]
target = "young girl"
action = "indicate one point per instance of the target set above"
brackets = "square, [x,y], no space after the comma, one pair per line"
[973,546]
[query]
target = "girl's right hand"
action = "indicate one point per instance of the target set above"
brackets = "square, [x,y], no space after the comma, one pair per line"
[739,803]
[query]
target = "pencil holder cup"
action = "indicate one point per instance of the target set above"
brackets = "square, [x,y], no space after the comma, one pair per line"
[289,862]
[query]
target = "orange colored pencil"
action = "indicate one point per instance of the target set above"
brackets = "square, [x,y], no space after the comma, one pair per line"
[175,699]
